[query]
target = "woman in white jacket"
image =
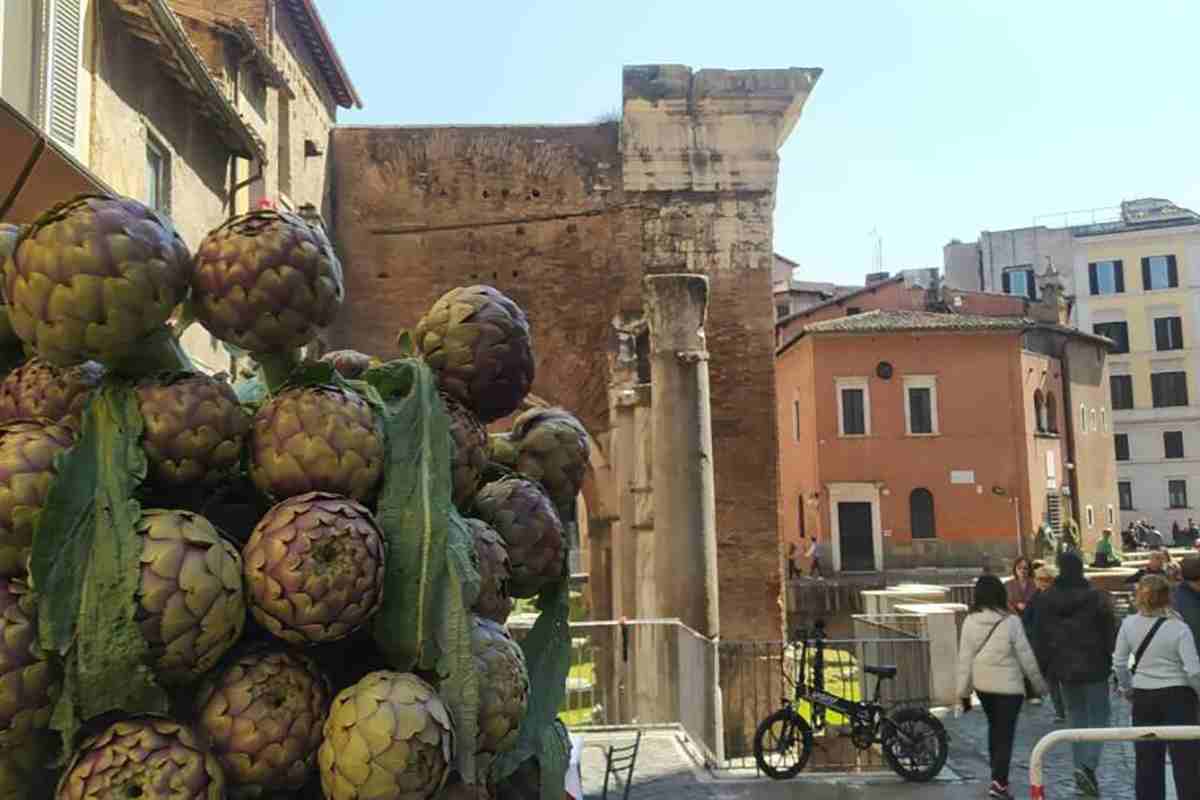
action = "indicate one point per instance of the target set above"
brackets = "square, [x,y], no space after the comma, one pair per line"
[994,658]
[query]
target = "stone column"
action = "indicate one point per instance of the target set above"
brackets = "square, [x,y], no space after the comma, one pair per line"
[684,498]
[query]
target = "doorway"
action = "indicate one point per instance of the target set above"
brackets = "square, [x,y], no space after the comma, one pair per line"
[856,537]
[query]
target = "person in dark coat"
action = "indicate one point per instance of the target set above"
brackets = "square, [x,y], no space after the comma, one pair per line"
[1186,597]
[1043,578]
[1074,632]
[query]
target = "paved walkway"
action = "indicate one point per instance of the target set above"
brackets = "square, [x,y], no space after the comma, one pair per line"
[665,771]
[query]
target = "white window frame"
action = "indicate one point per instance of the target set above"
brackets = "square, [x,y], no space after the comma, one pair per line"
[1093,416]
[854,383]
[1187,491]
[921,382]
[1111,516]
[1090,516]
[1082,418]
[1103,419]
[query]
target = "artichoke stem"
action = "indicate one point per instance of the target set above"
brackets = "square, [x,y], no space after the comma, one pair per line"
[277,367]
[158,352]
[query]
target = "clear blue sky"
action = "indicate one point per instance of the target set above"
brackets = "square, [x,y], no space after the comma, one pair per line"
[933,120]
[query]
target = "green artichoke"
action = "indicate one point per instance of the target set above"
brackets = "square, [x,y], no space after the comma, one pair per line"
[39,390]
[388,737]
[23,771]
[191,606]
[317,439]
[350,364]
[469,457]
[526,782]
[525,518]
[147,757]
[27,451]
[495,571]
[314,568]
[478,342]
[94,276]
[552,448]
[194,429]
[266,282]
[503,686]
[262,717]
[9,234]
[28,679]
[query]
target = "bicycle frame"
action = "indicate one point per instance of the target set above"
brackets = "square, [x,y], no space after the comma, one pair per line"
[870,712]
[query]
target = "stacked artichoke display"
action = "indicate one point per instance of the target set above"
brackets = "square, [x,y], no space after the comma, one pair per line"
[292,587]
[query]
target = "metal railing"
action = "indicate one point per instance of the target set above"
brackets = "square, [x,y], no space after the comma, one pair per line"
[1037,789]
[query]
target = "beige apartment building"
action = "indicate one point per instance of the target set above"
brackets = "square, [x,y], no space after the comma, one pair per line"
[200,108]
[1134,276]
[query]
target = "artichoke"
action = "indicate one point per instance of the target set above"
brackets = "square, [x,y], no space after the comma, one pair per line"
[39,390]
[388,737]
[94,276]
[314,568]
[194,429]
[552,448]
[262,717]
[470,454]
[28,680]
[503,686]
[526,782]
[147,757]
[23,769]
[525,518]
[191,608]
[9,234]
[27,451]
[350,364]
[495,571]
[267,282]
[478,342]
[317,439]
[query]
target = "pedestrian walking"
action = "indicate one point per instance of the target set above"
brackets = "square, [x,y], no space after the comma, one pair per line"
[1185,599]
[1043,579]
[793,561]
[1074,634]
[994,660]
[1162,684]
[1020,588]
[813,554]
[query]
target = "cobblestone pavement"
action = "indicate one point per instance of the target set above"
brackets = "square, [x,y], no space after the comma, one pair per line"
[665,771]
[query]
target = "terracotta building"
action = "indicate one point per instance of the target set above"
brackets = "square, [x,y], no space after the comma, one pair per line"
[918,433]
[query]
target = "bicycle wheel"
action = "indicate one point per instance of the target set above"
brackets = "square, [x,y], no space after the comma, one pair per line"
[915,744]
[783,744]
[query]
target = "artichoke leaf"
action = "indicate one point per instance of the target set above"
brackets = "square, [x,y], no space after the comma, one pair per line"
[459,686]
[84,567]
[413,512]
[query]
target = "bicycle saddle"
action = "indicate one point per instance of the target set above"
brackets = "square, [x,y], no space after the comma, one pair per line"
[883,672]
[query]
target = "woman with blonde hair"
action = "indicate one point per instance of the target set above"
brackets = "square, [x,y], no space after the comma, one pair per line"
[1163,683]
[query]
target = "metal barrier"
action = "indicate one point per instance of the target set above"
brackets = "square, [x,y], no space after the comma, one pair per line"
[1162,732]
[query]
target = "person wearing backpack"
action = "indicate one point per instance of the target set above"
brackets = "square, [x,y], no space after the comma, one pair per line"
[1162,684]
[994,660]
[1074,634]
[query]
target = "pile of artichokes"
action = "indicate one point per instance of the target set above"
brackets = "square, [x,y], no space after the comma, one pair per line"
[295,586]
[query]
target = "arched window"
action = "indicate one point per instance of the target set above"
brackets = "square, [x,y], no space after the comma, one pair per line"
[1051,413]
[920,505]
[1082,418]
[1039,411]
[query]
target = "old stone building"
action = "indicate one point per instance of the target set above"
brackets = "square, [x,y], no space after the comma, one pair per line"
[568,220]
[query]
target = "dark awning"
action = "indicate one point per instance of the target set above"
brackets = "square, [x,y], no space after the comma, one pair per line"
[36,173]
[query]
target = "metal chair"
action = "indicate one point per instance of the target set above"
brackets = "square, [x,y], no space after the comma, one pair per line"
[618,759]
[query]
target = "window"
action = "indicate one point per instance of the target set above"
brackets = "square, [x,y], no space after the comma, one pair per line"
[1051,413]
[1082,418]
[854,407]
[1168,389]
[61,99]
[800,505]
[1159,272]
[1121,444]
[852,310]
[1095,427]
[920,507]
[158,193]
[796,420]
[781,312]
[1110,518]
[284,151]
[1106,277]
[1177,493]
[1117,331]
[1103,420]
[1125,495]
[1091,517]
[1039,411]
[1168,333]
[920,410]
[1019,281]
[1122,391]
[1173,444]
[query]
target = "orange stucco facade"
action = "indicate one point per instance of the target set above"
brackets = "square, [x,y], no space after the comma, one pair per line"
[992,473]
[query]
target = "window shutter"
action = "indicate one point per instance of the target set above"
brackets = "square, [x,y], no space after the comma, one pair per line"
[1093,282]
[62,71]
[1119,273]
[1161,336]
[1172,272]
[1007,283]
[1030,285]
[1146,285]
